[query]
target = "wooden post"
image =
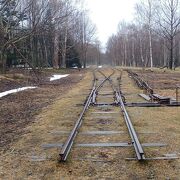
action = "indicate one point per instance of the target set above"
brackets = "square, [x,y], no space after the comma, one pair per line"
[177,93]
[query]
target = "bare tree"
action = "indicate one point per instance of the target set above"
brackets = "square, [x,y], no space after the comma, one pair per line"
[44,32]
[146,14]
[87,32]
[14,24]
[169,21]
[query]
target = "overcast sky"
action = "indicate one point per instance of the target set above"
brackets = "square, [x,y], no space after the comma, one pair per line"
[106,14]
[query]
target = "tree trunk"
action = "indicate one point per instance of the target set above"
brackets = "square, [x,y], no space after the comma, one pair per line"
[171,60]
[84,59]
[165,53]
[45,52]
[141,52]
[133,54]
[172,37]
[125,52]
[64,51]
[150,48]
[150,33]
[2,62]
[56,50]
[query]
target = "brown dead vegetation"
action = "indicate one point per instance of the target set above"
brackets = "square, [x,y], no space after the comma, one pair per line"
[152,125]
[17,111]
[160,79]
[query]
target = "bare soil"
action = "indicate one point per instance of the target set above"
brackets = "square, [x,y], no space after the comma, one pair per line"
[17,111]
[163,82]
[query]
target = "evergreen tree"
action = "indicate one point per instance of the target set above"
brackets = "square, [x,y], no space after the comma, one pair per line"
[10,21]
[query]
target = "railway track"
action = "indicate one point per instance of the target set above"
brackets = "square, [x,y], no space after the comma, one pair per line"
[119,99]
[92,96]
[92,100]
[106,86]
[150,95]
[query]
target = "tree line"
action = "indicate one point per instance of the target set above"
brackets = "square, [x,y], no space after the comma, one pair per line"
[46,33]
[152,39]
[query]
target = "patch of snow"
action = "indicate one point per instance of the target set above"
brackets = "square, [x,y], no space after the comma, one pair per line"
[15,91]
[75,67]
[58,76]
[99,66]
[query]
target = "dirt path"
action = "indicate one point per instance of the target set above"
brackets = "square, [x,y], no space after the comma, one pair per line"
[27,159]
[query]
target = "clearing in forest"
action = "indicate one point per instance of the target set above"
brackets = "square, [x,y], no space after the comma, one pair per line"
[30,148]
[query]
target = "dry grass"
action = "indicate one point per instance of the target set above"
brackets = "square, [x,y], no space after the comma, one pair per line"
[56,117]
[130,89]
[95,163]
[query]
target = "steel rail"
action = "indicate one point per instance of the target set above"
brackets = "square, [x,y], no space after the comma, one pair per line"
[96,90]
[106,78]
[69,142]
[100,85]
[135,141]
[140,82]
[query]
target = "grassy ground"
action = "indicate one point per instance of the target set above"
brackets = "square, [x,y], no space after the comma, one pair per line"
[26,159]
[17,111]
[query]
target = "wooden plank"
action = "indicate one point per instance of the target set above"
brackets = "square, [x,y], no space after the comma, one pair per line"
[146,97]
[161,99]
[119,144]
[154,158]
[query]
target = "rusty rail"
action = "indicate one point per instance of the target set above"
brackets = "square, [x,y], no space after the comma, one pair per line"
[140,82]
[101,84]
[70,140]
[135,141]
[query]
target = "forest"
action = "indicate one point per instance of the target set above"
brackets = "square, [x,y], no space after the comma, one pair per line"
[46,33]
[60,34]
[152,40]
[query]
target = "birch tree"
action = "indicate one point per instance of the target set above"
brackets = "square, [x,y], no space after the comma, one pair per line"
[146,13]
[169,21]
